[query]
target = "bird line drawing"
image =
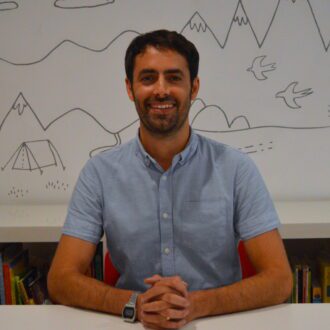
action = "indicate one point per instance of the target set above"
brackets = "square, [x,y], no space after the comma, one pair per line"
[289,95]
[258,68]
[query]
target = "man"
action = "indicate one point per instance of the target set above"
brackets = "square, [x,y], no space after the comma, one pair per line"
[173,206]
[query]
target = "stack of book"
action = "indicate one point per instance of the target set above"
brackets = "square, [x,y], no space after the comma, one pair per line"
[311,280]
[19,282]
[24,284]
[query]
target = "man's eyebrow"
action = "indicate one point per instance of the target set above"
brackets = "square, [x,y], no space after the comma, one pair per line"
[175,71]
[147,71]
[152,71]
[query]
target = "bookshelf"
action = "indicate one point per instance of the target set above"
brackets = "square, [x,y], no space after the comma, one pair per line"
[305,226]
[43,223]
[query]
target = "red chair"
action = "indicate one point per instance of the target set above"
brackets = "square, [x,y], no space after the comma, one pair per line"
[246,266]
[111,275]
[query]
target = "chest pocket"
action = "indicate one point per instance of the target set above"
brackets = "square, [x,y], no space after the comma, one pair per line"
[204,227]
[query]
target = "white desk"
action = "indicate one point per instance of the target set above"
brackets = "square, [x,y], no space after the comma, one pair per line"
[55,317]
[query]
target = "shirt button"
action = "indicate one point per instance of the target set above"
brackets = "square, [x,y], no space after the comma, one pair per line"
[165,215]
[167,251]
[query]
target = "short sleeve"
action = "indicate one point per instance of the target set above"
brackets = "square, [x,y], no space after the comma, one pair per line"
[255,213]
[84,218]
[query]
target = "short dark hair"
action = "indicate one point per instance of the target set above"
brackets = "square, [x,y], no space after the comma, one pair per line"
[162,39]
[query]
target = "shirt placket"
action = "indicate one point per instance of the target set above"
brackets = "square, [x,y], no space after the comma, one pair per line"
[166,224]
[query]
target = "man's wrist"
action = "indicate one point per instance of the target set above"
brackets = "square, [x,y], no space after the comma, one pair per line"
[129,313]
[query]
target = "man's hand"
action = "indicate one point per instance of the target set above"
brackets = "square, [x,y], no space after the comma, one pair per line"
[166,304]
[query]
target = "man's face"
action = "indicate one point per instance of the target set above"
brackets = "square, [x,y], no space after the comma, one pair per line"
[162,91]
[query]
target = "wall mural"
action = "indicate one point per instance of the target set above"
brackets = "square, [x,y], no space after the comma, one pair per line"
[264,87]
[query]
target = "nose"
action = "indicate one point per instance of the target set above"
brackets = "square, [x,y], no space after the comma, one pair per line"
[161,87]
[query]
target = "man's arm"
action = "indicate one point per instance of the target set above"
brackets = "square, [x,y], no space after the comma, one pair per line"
[68,283]
[270,286]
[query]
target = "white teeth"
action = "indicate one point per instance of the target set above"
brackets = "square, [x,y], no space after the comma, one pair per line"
[163,106]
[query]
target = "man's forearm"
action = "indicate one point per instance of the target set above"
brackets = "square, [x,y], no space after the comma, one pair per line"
[79,290]
[261,290]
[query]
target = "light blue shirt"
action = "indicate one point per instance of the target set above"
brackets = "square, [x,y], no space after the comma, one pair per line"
[186,221]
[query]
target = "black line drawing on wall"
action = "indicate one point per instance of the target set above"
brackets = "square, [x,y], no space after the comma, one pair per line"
[79,4]
[34,155]
[18,192]
[258,68]
[8,5]
[289,95]
[67,41]
[22,110]
[196,22]
[56,185]
[259,147]
[199,24]
[325,43]
[215,115]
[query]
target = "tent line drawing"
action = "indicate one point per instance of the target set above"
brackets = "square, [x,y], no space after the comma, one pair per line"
[34,155]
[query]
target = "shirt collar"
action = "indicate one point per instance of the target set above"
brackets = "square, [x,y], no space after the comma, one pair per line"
[181,158]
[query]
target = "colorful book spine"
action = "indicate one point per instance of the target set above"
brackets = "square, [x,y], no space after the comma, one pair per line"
[325,279]
[2,284]
[7,284]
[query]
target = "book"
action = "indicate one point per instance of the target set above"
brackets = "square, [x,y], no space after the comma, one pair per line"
[324,268]
[9,252]
[98,262]
[37,289]
[316,291]
[2,284]
[306,283]
[25,283]
[13,265]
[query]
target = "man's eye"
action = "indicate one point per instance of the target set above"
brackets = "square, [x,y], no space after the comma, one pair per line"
[175,78]
[147,79]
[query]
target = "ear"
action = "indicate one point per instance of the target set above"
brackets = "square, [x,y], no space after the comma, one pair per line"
[194,88]
[129,89]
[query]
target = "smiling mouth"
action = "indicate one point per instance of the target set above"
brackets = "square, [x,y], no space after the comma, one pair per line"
[160,107]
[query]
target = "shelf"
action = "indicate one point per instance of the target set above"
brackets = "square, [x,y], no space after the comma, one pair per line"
[304,219]
[31,223]
[43,223]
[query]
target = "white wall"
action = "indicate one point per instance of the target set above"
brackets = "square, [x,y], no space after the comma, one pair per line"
[62,94]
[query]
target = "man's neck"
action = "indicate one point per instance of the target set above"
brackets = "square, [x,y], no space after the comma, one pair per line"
[163,149]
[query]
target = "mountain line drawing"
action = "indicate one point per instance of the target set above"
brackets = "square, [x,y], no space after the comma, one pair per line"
[199,24]
[240,17]
[81,4]
[21,105]
[22,110]
[206,115]
[67,41]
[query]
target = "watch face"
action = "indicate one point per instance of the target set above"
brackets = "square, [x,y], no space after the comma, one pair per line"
[128,313]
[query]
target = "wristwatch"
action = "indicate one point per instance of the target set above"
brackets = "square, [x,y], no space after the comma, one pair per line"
[129,313]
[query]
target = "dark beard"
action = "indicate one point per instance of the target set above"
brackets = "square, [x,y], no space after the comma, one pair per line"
[161,125]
